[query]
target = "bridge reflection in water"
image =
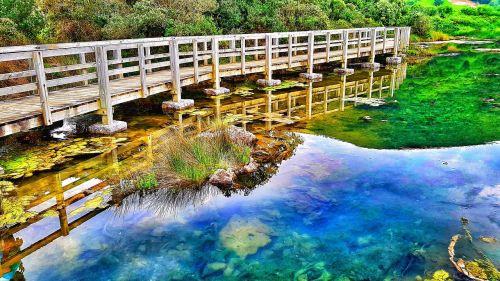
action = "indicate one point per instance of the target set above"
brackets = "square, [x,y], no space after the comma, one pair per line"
[63,201]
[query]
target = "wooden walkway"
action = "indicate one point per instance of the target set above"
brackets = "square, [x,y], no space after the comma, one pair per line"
[109,73]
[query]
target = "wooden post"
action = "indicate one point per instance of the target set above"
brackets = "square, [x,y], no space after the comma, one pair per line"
[345,46]
[105,102]
[117,55]
[295,40]
[142,71]
[205,48]
[325,98]
[84,71]
[310,53]
[243,56]
[373,43]
[309,98]
[215,63]
[290,48]
[233,47]
[370,86]
[269,58]
[328,46]
[195,62]
[385,39]
[256,44]
[43,92]
[381,86]
[148,62]
[393,81]
[360,34]
[342,91]
[396,41]
[276,45]
[175,70]
[289,105]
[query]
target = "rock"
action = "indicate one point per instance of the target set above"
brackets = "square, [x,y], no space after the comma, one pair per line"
[244,236]
[313,272]
[249,168]
[2,171]
[171,106]
[216,92]
[366,118]
[344,71]
[311,76]
[223,178]
[489,240]
[268,83]
[240,136]
[394,60]
[212,268]
[372,66]
[102,129]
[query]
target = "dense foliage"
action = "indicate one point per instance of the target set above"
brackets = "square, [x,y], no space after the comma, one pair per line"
[44,21]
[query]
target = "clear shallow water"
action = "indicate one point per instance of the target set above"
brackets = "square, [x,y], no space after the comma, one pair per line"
[333,210]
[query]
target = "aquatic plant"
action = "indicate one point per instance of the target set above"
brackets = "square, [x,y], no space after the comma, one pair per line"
[13,211]
[440,275]
[461,111]
[475,270]
[487,266]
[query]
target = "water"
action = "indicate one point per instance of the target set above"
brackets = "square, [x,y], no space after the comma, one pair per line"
[331,211]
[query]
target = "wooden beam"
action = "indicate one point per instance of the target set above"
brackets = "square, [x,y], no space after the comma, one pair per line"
[195,62]
[310,53]
[396,41]
[345,46]
[82,59]
[360,35]
[117,55]
[43,92]
[328,46]
[269,58]
[142,71]
[215,63]
[385,39]
[175,70]
[243,55]
[290,48]
[205,48]
[373,44]
[105,103]
[148,62]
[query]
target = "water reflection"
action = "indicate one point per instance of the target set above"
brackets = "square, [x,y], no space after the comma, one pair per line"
[53,206]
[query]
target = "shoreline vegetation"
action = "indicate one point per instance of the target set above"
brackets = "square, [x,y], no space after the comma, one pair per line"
[50,21]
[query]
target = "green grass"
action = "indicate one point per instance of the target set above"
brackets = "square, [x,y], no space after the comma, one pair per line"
[146,182]
[448,101]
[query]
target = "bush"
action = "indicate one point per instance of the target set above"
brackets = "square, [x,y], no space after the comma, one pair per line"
[439,36]
[9,33]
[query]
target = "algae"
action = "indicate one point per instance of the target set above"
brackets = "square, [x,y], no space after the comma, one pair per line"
[244,236]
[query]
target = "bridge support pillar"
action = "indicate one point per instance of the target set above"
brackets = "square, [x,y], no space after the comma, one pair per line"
[345,46]
[217,89]
[269,81]
[177,103]
[310,75]
[395,59]
[108,126]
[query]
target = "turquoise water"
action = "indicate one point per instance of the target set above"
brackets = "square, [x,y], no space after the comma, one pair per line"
[333,211]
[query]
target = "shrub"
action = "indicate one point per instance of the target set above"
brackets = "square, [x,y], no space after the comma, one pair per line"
[146,182]
[439,36]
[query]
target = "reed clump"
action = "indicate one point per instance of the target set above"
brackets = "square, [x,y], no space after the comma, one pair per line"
[195,158]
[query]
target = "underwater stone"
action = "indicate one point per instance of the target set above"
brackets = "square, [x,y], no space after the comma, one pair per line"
[249,168]
[394,60]
[313,272]
[216,92]
[371,66]
[344,71]
[244,236]
[223,178]
[170,106]
[236,135]
[268,83]
[102,129]
[311,76]
[489,240]
[212,268]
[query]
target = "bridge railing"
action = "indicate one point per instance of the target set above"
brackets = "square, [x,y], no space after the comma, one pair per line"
[41,69]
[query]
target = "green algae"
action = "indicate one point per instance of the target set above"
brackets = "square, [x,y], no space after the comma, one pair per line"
[448,101]
[244,236]
[13,210]
[440,275]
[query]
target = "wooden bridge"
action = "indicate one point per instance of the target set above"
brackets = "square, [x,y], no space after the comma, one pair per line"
[55,82]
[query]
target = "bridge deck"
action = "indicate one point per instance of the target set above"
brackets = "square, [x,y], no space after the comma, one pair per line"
[20,114]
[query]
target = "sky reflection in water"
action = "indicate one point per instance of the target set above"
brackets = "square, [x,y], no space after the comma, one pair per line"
[333,210]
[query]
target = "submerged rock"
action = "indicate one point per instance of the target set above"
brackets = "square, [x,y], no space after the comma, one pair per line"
[315,271]
[244,236]
[212,268]
[486,239]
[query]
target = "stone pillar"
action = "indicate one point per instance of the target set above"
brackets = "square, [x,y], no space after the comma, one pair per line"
[395,59]
[373,42]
